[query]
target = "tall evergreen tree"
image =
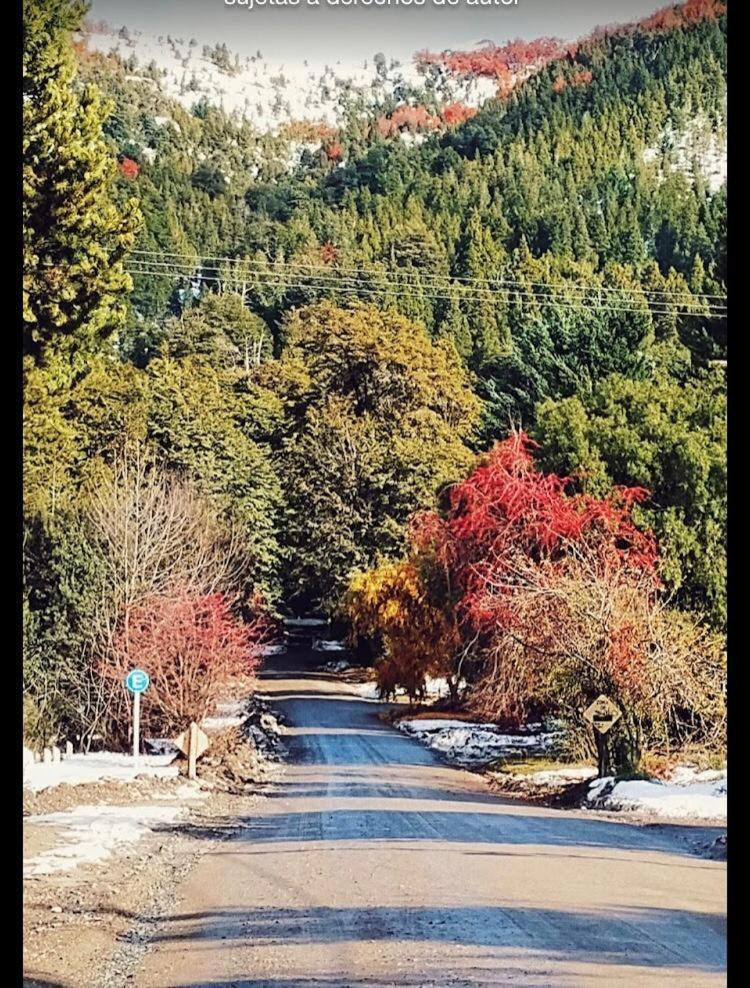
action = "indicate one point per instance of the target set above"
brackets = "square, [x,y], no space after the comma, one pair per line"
[75,237]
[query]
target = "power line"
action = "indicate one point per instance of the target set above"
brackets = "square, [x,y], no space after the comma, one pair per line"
[249,265]
[274,280]
[270,279]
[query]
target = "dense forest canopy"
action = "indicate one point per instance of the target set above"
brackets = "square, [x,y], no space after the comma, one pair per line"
[315,331]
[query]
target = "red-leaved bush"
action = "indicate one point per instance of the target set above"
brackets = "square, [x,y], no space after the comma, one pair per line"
[192,646]
[549,597]
[328,253]
[334,151]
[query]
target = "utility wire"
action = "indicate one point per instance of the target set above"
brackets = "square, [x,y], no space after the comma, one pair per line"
[250,265]
[270,279]
[324,276]
[274,280]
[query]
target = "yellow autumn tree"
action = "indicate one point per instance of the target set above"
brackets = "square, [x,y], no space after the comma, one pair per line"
[390,604]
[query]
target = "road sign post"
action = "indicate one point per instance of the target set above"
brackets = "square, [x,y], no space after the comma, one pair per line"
[192,742]
[603,714]
[137,682]
[136,728]
[193,751]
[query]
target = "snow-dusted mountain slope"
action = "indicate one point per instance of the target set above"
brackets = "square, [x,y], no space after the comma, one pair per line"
[268,94]
[696,146]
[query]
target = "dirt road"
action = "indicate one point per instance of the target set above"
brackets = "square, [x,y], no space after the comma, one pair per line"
[375,865]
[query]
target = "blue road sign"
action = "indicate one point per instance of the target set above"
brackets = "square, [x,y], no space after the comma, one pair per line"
[137,681]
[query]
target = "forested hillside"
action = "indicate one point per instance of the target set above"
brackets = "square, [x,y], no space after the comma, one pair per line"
[307,335]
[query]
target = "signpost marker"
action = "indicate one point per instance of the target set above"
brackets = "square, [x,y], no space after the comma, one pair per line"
[192,742]
[136,729]
[603,714]
[192,751]
[137,682]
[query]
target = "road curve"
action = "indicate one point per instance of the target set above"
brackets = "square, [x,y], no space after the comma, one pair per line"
[374,865]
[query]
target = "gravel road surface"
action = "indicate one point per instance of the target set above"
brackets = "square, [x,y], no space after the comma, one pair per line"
[372,864]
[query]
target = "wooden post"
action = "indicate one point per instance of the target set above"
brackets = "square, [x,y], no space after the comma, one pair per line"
[601,751]
[192,751]
[136,728]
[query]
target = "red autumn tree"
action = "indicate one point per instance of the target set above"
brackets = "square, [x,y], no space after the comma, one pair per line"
[328,253]
[192,647]
[554,597]
[690,12]
[129,168]
[334,151]
[508,64]
[455,113]
[507,507]
[666,19]
[412,118]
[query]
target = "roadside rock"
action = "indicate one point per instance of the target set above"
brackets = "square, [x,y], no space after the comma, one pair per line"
[241,758]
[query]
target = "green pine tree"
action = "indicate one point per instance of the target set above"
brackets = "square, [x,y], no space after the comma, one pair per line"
[75,238]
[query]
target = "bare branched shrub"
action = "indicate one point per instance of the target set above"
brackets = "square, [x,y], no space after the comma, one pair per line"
[160,541]
[581,629]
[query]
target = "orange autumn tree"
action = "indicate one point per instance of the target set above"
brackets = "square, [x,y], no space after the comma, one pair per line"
[391,605]
[456,113]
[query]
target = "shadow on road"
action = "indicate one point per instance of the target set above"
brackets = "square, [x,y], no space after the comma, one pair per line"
[345,755]
[636,937]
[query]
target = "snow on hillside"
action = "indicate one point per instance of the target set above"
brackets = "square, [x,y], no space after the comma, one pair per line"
[697,145]
[268,94]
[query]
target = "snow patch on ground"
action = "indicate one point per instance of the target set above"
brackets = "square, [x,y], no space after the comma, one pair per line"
[435,689]
[89,834]
[161,746]
[340,665]
[320,645]
[366,691]
[188,790]
[79,769]
[687,794]
[230,713]
[698,145]
[273,650]
[551,777]
[465,743]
